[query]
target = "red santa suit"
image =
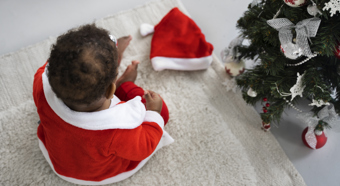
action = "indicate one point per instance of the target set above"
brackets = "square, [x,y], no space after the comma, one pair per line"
[95,148]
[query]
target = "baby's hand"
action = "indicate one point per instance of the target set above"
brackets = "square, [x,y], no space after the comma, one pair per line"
[153,101]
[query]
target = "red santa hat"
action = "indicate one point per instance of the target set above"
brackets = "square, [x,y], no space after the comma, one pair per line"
[178,43]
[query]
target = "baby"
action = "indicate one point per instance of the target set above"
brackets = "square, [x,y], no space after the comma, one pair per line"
[95,128]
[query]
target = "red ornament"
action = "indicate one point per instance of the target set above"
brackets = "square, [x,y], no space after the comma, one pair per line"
[265,99]
[337,51]
[267,105]
[321,139]
[265,111]
[265,126]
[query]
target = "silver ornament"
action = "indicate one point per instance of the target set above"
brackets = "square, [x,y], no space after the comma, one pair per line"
[291,51]
[313,10]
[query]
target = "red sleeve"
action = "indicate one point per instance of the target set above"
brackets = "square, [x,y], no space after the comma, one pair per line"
[37,83]
[136,144]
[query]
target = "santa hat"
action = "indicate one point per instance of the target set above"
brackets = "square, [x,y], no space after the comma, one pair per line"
[178,43]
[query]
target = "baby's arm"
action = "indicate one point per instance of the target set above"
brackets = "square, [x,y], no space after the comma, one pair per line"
[153,101]
[139,143]
[136,144]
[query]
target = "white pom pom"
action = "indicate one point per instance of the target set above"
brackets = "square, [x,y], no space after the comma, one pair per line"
[146,29]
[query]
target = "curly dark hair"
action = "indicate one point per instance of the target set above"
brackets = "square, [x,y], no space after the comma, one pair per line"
[82,64]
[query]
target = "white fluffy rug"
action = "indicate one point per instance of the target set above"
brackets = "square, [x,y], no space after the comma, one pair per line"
[218,140]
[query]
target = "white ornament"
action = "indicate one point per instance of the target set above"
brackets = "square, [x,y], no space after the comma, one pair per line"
[313,10]
[233,67]
[231,85]
[318,103]
[251,93]
[297,89]
[333,6]
[295,3]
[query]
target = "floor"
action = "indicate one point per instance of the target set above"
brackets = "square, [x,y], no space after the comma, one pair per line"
[27,22]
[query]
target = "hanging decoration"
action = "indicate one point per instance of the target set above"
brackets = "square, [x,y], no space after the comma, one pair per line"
[234,66]
[313,10]
[297,89]
[265,126]
[333,6]
[319,139]
[326,117]
[304,30]
[284,95]
[319,103]
[295,3]
[304,61]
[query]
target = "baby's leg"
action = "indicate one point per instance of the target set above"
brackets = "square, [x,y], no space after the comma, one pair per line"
[127,89]
[123,42]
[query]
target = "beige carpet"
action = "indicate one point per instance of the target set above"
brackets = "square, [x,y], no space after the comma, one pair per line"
[218,140]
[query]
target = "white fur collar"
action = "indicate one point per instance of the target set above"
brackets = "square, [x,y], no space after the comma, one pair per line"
[128,115]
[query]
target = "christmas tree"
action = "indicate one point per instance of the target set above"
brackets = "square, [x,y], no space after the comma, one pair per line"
[294,45]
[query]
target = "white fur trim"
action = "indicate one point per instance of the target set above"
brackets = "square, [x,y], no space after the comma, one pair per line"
[128,115]
[146,29]
[152,116]
[161,63]
[165,140]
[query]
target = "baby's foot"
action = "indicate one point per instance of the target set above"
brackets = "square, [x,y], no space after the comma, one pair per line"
[130,74]
[123,42]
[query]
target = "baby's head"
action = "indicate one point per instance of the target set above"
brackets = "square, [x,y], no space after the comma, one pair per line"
[83,65]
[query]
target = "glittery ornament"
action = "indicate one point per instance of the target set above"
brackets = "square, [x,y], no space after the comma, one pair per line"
[314,140]
[295,3]
[312,136]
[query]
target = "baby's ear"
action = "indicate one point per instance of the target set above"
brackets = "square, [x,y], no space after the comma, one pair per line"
[110,91]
